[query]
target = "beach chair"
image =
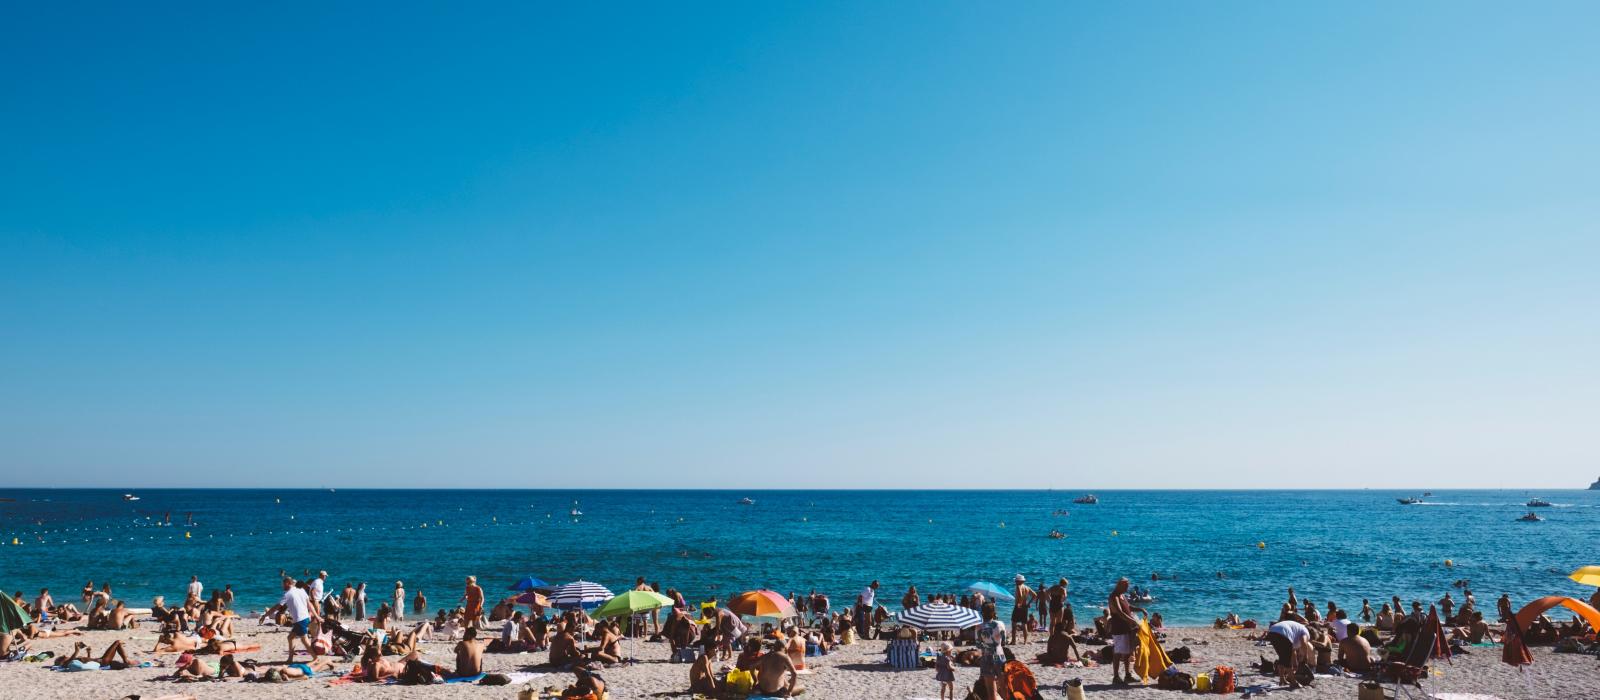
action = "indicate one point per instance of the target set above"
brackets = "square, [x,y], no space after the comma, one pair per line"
[904,654]
[1411,668]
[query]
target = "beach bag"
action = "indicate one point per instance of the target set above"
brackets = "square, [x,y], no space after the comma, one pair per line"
[1202,682]
[1020,683]
[1222,680]
[1370,690]
[1175,680]
[1074,689]
[1180,655]
[495,679]
[740,681]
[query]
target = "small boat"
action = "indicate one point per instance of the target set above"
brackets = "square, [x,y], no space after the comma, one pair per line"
[1087,499]
[575,512]
[1408,501]
[746,502]
[1531,517]
[1538,503]
[129,497]
[1428,494]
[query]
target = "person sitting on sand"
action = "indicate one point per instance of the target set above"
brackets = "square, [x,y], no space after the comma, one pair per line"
[1061,648]
[776,674]
[1385,621]
[564,647]
[469,654]
[589,684]
[701,679]
[405,642]
[749,656]
[13,644]
[114,658]
[608,650]
[1355,654]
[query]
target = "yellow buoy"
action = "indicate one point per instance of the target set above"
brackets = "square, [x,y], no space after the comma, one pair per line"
[1261,545]
[1113,533]
[1448,562]
[185,535]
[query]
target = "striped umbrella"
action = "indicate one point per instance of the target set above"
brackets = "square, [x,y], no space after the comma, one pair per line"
[580,594]
[939,616]
[762,603]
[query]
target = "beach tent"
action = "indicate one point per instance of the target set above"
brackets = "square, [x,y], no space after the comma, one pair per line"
[12,616]
[1532,611]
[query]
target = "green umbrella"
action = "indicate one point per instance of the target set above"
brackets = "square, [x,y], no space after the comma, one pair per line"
[12,616]
[630,603]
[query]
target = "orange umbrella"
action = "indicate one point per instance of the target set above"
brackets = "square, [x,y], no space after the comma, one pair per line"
[762,603]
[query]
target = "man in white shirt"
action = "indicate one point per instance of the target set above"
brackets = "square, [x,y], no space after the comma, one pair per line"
[316,586]
[195,588]
[298,607]
[864,603]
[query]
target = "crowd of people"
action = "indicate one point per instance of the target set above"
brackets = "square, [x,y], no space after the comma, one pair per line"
[725,653]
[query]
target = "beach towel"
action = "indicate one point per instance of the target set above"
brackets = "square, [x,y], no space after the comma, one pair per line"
[1149,660]
[466,679]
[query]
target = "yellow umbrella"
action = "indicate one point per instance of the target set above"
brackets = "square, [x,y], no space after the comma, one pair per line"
[1588,576]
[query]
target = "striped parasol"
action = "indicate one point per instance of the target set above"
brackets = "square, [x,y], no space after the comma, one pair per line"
[939,616]
[580,594]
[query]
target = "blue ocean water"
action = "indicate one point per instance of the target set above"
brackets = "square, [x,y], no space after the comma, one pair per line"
[1340,545]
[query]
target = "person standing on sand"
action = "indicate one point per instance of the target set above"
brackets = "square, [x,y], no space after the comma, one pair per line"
[864,603]
[1122,625]
[1023,603]
[399,609]
[1057,597]
[473,597]
[297,606]
[194,591]
[990,636]
[360,601]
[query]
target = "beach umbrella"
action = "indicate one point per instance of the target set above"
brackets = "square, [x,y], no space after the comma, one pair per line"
[632,602]
[12,616]
[529,583]
[533,598]
[1588,576]
[939,616]
[990,590]
[579,594]
[762,603]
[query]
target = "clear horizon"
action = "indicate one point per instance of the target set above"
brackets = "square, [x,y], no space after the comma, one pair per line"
[928,245]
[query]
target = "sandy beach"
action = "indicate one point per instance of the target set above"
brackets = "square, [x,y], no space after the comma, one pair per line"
[855,671]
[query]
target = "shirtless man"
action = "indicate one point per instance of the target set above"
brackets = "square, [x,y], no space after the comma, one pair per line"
[1019,614]
[43,604]
[1355,654]
[1122,624]
[469,654]
[564,648]
[775,673]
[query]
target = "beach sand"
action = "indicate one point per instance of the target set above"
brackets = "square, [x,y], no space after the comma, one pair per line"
[853,672]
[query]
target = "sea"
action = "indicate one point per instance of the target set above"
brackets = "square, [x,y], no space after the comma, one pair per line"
[1201,554]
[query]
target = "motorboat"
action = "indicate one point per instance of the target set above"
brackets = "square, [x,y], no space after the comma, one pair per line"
[746,502]
[1408,501]
[1428,494]
[1087,499]
[1538,503]
[129,497]
[1531,517]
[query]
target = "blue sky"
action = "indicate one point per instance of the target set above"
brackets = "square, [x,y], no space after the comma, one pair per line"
[800,244]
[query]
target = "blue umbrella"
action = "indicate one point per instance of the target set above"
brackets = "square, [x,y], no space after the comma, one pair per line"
[529,583]
[990,590]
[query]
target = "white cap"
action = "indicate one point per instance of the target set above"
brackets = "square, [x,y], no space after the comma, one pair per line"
[1021,578]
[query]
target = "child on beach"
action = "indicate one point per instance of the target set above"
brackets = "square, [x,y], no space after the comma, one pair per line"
[944,671]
